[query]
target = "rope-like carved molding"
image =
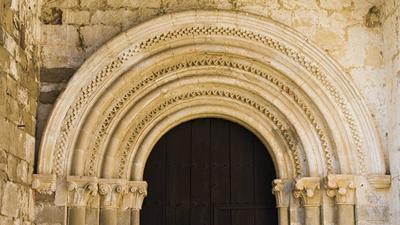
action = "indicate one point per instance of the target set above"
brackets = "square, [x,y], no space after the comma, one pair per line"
[87,91]
[209,61]
[141,125]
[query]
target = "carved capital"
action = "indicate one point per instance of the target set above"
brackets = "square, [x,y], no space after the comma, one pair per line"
[308,190]
[136,192]
[281,189]
[44,183]
[112,192]
[81,190]
[342,187]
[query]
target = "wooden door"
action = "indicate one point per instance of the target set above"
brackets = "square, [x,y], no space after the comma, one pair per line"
[209,172]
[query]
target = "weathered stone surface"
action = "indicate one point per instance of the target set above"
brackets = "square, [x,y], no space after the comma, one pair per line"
[335,5]
[11,200]
[362,36]
[56,75]
[76,17]
[134,3]
[49,97]
[54,35]
[51,16]
[49,214]
[92,4]
[91,34]
[6,220]
[19,66]
[60,3]
[113,17]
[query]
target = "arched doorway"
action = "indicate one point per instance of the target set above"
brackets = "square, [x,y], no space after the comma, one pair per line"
[198,64]
[209,172]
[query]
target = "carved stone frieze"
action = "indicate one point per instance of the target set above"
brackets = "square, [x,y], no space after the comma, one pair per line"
[81,190]
[112,192]
[220,61]
[86,92]
[107,193]
[342,187]
[281,125]
[135,194]
[308,190]
[44,183]
[281,188]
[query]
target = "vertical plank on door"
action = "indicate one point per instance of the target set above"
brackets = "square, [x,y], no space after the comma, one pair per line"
[209,172]
[200,173]
[220,171]
[178,159]
[155,202]
[242,176]
[262,186]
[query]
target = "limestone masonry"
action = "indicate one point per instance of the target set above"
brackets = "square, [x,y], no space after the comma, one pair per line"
[87,87]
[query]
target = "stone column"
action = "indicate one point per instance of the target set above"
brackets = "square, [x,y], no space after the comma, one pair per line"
[281,188]
[81,191]
[111,192]
[136,192]
[342,188]
[307,189]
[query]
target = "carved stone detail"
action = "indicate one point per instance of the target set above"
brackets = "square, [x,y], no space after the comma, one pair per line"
[44,183]
[307,189]
[111,192]
[277,121]
[342,187]
[281,188]
[81,190]
[136,192]
[222,62]
[87,91]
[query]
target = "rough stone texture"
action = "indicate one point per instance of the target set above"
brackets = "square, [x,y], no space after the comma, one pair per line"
[391,52]
[19,90]
[339,27]
[361,35]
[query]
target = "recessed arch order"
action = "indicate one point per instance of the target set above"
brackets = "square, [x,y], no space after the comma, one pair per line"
[195,64]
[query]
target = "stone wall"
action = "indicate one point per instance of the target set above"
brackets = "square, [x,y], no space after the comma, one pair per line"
[349,30]
[19,90]
[361,35]
[391,28]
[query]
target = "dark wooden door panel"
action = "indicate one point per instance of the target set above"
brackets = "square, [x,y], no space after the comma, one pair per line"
[200,173]
[209,172]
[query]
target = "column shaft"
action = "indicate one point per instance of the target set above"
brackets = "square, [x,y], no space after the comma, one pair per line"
[108,216]
[346,214]
[312,216]
[135,217]
[77,215]
[283,213]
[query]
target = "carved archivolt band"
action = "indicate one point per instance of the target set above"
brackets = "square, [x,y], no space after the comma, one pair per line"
[221,62]
[199,27]
[141,124]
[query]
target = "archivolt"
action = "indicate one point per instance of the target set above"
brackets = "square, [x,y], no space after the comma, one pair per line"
[233,65]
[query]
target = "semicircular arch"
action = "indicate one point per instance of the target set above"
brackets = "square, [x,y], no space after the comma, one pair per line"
[255,57]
